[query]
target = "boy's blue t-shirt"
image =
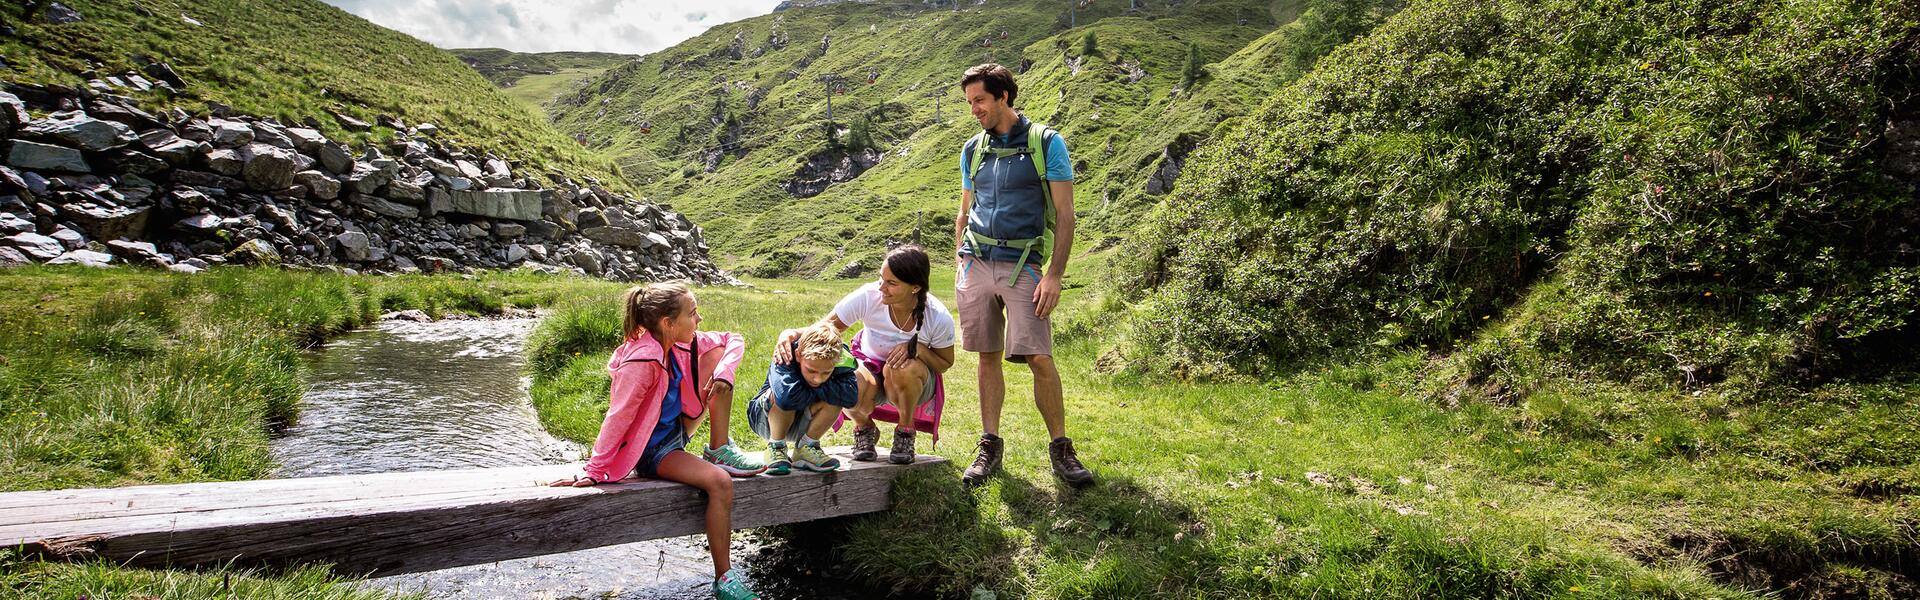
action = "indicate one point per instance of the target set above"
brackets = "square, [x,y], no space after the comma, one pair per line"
[789,388]
[1059,164]
[669,406]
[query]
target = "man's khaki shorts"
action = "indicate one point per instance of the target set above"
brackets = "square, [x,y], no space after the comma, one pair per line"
[998,318]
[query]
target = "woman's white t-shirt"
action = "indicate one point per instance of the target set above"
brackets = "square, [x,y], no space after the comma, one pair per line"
[881,336]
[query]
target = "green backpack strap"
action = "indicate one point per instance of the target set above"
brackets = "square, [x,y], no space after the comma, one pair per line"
[1037,148]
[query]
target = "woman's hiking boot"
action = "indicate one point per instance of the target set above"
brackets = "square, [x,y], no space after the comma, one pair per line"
[1066,463]
[776,458]
[736,463]
[729,587]
[987,462]
[902,448]
[809,457]
[863,442]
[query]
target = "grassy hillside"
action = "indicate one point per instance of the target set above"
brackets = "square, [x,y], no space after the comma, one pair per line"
[536,78]
[297,61]
[738,113]
[1676,194]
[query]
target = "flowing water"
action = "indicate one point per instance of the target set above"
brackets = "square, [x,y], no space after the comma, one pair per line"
[408,396]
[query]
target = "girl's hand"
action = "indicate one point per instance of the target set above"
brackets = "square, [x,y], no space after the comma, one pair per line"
[783,347]
[575,481]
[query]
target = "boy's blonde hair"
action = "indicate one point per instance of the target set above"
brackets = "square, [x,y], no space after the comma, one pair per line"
[818,342]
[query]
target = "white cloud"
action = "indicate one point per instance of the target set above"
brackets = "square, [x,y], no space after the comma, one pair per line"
[627,26]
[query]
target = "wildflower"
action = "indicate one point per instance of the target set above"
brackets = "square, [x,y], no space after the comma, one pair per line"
[1656,439]
[1708,294]
[1646,65]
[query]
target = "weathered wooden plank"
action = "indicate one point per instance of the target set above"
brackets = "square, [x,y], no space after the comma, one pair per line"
[407,522]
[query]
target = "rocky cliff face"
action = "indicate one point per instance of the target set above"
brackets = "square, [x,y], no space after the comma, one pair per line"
[89,177]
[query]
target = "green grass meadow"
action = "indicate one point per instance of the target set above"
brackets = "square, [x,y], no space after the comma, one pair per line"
[1343,481]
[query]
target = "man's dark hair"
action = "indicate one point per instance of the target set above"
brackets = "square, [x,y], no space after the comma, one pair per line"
[998,79]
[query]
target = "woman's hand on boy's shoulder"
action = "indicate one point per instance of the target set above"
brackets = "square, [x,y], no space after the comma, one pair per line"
[783,347]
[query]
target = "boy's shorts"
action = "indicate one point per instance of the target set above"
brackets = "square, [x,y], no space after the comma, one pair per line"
[997,318]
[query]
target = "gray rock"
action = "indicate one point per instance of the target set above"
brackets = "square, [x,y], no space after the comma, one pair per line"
[254,252]
[509,230]
[336,159]
[13,112]
[198,224]
[438,201]
[169,147]
[36,246]
[586,259]
[518,205]
[13,257]
[384,207]
[320,185]
[122,111]
[370,176]
[468,169]
[230,133]
[591,217]
[617,236]
[272,135]
[542,229]
[440,167]
[136,162]
[226,161]
[46,157]
[10,180]
[516,253]
[69,239]
[459,184]
[109,223]
[61,14]
[164,72]
[11,224]
[426,129]
[268,167]
[203,179]
[307,140]
[498,168]
[353,246]
[185,268]
[658,242]
[352,124]
[85,258]
[407,192]
[138,253]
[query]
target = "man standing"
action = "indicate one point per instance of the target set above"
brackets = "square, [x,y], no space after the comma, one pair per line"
[1016,219]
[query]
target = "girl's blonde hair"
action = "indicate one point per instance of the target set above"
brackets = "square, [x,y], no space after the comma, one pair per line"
[646,305]
[818,342]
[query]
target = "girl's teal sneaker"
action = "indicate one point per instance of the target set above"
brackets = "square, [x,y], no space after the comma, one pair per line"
[729,587]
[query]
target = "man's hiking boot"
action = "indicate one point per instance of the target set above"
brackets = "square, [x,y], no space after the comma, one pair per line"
[902,448]
[1066,464]
[987,462]
[736,463]
[729,587]
[864,441]
[809,457]
[776,458]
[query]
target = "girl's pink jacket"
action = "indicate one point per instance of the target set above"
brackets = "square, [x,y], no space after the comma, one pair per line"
[639,374]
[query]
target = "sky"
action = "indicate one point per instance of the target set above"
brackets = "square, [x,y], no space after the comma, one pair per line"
[624,26]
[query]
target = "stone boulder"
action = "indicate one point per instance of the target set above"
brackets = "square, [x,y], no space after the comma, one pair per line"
[85,258]
[336,159]
[46,157]
[353,246]
[13,112]
[268,167]
[108,223]
[254,252]
[500,203]
[36,246]
[138,253]
[228,134]
[319,184]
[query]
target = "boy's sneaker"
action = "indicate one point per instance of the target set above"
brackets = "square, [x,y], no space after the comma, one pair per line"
[736,463]
[809,457]
[863,442]
[1066,463]
[776,458]
[902,448]
[729,587]
[987,462]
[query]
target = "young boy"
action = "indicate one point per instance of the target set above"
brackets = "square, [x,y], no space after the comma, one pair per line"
[807,386]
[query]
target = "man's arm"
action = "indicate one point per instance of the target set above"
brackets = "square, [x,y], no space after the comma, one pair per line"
[1046,295]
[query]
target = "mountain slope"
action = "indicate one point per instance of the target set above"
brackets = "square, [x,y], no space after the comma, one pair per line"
[737,116]
[535,78]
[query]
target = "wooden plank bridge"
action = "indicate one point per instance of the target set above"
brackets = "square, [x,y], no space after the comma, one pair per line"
[392,523]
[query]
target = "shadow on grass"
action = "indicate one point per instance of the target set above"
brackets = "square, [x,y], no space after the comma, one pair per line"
[941,539]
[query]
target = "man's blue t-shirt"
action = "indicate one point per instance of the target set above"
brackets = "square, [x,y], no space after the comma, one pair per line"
[1059,164]
[669,406]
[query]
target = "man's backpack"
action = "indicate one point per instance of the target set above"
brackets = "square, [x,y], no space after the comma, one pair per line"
[1036,146]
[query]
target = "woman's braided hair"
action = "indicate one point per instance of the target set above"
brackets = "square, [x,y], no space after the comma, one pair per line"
[909,264]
